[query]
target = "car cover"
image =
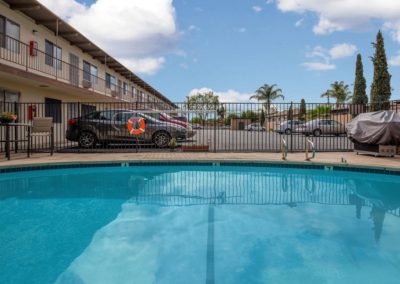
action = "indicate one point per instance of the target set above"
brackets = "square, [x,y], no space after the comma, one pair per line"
[382,128]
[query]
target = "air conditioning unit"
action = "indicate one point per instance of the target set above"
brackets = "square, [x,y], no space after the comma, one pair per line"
[113,93]
[86,84]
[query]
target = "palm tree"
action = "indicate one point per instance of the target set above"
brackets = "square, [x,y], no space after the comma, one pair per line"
[340,91]
[267,93]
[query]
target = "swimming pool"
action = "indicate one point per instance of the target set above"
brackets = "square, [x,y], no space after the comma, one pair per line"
[220,223]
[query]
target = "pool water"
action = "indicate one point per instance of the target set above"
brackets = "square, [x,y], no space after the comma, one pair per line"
[199,224]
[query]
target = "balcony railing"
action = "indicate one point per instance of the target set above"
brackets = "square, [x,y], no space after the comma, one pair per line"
[36,61]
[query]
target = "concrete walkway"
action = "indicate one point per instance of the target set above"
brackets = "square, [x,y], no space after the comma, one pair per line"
[328,158]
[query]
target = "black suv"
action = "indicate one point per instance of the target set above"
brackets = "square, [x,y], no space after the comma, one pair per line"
[110,126]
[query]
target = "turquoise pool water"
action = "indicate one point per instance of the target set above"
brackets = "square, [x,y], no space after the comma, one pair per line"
[199,224]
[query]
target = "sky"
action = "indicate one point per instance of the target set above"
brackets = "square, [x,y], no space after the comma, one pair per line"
[233,47]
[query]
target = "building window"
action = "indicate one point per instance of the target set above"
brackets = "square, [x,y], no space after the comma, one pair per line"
[137,95]
[9,34]
[8,101]
[53,55]
[2,31]
[89,72]
[133,92]
[125,88]
[119,86]
[53,109]
[110,81]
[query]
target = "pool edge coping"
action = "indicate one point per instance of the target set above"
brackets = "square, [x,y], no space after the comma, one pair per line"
[211,162]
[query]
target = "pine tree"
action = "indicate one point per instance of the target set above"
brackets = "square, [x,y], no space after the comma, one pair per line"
[359,94]
[302,110]
[380,88]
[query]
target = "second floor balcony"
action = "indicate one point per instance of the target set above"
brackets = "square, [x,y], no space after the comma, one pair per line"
[28,58]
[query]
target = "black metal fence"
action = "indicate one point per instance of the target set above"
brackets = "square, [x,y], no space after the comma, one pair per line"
[226,127]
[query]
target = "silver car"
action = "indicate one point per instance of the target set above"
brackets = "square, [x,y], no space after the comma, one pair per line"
[289,127]
[318,127]
[255,127]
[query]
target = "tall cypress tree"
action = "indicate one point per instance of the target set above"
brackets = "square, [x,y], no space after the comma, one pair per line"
[360,95]
[380,88]
[290,113]
[302,110]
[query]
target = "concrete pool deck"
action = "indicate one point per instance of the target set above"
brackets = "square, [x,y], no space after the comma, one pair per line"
[321,158]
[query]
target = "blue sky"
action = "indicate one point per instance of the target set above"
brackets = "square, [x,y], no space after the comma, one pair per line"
[235,46]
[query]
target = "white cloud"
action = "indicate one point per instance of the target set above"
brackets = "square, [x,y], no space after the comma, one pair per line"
[321,58]
[147,65]
[226,96]
[193,28]
[319,66]
[299,22]
[395,60]
[242,30]
[133,31]
[269,2]
[257,9]
[339,15]
[342,50]
[64,8]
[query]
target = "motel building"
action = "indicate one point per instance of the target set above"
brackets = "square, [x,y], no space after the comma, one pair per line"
[49,69]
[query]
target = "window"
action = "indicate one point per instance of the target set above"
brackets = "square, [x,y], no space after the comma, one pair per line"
[89,72]
[107,115]
[53,55]
[133,92]
[124,116]
[85,109]
[119,86]
[12,32]
[53,109]
[9,34]
[137,96]
[2,31]
[125,88]
[93,115]
[110,81]
[7,100]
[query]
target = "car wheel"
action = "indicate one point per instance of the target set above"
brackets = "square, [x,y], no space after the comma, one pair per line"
[317,132]
[161,139]
[288,131]
[87,140]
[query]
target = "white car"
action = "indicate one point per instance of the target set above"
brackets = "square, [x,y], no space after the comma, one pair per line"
[255,127]
[289,127]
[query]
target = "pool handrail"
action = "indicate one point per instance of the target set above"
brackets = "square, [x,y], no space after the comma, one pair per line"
[284,149]
[310,142]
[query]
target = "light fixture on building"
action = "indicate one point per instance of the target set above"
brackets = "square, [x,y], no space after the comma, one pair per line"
[34,32]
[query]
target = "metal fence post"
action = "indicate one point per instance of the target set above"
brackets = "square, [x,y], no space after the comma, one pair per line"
[291,126]
[215,131]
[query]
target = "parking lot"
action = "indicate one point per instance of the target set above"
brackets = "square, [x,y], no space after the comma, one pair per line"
[242,140]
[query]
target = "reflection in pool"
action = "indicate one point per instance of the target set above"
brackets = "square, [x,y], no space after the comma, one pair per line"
[198,224]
